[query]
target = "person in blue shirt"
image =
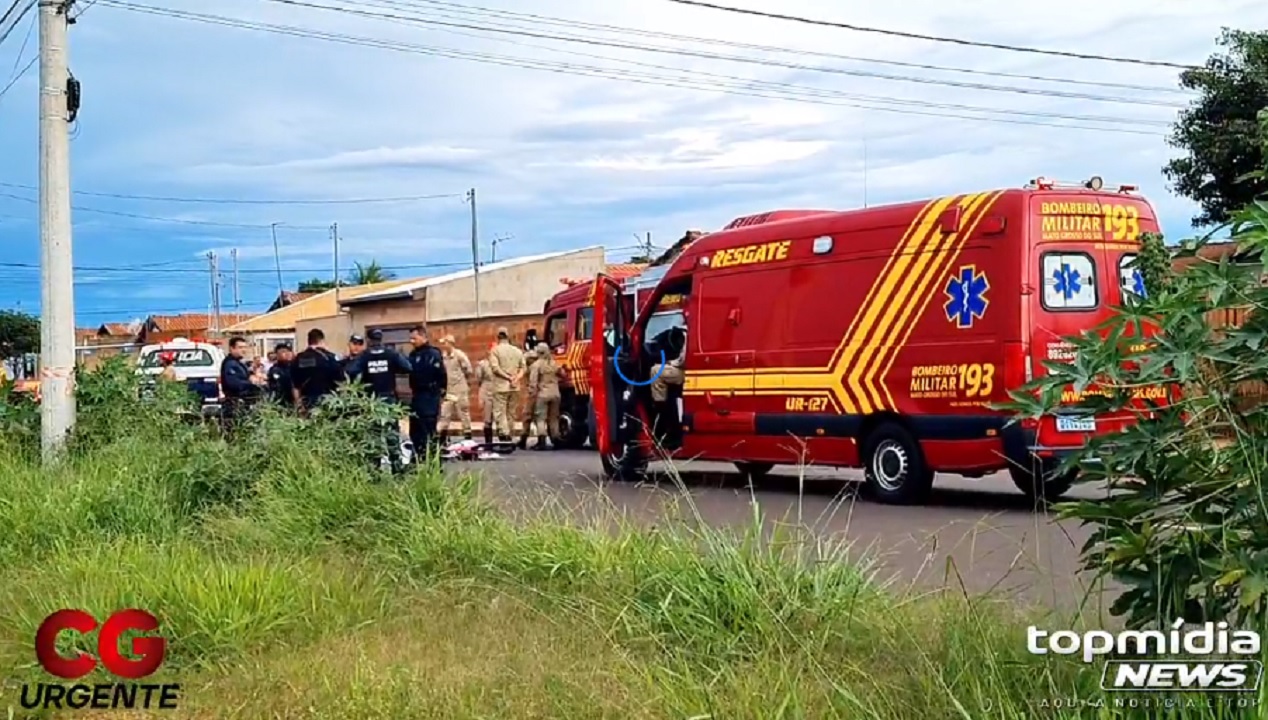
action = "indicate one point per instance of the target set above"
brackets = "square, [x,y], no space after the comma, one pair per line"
[235,382]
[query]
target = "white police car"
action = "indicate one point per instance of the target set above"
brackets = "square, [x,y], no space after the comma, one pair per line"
[196,363]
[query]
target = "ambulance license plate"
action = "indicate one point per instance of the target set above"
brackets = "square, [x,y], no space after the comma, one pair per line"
[1076,424]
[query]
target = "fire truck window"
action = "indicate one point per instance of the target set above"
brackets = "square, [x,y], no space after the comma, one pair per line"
[556,327]
[1069,281]
[585,323]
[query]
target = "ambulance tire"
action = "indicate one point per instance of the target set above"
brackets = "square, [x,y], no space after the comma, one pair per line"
[894,466]
[628,466]
[754,471]
[572,431]
[1040,482]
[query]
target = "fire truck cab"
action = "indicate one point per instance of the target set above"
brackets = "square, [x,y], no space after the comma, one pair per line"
[880,338]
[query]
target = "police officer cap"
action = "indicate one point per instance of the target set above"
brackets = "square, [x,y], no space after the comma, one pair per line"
[376,335]
[542,349]
[356,340]
[503,332]
[282,346]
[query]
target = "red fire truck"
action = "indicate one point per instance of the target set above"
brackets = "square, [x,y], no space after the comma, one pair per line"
[877,338]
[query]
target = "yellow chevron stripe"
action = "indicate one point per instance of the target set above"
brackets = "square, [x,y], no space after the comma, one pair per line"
[947,260]
[926,263]
[886,280]
[931,266]
[897,288]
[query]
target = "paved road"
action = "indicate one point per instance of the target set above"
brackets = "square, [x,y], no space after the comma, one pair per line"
[981,533]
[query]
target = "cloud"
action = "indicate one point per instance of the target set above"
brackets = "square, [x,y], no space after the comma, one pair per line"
[591,144]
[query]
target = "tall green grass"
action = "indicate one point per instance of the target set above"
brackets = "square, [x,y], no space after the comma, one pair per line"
[294,583]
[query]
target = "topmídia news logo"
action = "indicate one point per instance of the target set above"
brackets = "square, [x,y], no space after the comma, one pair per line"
[1209,657]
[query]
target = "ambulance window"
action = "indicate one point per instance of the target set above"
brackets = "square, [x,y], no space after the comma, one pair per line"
[1069,281]
[585,323]
[1130,278]
[556,330]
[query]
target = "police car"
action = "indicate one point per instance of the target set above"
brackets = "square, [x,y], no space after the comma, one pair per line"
[196,363]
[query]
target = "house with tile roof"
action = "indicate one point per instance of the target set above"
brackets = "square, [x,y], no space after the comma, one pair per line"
[161,328]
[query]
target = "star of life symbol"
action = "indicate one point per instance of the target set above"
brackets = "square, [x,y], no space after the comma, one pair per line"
[966,297]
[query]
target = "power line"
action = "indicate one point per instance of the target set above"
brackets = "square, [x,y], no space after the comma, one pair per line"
[938,38]
[464,9]
[14,81]
[596,42]
[746,88]
[155,218]
[16,21]
[246,201]
[167,266]
[30,29]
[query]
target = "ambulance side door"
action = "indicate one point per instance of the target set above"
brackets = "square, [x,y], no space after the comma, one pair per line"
[719,367]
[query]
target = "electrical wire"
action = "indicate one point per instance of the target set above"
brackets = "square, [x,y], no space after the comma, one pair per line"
[465,10]
[747,88]
[14,81]
[937,38]
[30,30]
[246,201]
[181,221]
[597,42]
[9,30]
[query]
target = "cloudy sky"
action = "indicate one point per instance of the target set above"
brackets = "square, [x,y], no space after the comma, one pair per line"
[577,123]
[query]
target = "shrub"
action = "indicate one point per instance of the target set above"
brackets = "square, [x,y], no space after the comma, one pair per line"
[1186,527]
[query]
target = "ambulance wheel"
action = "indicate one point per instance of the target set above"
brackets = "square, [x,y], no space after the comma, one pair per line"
[1041,481]
[626,466]
[754,471]
[572,432]
[895,467]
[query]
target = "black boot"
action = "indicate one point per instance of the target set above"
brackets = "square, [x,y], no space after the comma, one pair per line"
[488,434]
[541,443]
[523,443]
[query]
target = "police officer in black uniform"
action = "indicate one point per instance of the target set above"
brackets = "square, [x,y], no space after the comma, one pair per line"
[356,346]
[235,382]
[281,389]
[378,367]
[427,382]
[316,371]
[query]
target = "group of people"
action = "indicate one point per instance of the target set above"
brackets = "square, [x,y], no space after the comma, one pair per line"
[439,380]
[303,380]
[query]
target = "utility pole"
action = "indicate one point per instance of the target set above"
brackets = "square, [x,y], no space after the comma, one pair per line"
[277,260]
[213,264]
[237,288]
[334,239]
[475,250]
[58,103]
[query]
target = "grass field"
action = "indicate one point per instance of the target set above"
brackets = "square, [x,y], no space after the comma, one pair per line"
[290,585]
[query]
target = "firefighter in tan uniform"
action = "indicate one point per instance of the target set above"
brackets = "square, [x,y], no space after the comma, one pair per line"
[526,408]
[507,363]
[543,386]
[458,394]
[484,385]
